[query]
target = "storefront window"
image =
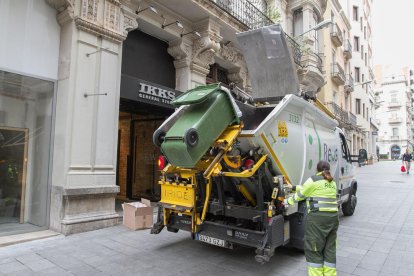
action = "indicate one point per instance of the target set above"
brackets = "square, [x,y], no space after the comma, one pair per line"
[25,144]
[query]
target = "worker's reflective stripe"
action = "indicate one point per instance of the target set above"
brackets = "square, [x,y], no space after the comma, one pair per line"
[329,271]
[329,264]
[317,178]
[299,194]
[325,205]
[315,265]
[326,199]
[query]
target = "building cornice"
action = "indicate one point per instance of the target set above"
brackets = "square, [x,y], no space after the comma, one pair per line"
[97,30]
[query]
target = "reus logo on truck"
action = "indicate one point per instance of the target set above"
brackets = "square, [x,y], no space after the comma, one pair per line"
[330,155]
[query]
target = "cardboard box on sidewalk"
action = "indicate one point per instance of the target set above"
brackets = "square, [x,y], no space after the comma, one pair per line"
[138,215]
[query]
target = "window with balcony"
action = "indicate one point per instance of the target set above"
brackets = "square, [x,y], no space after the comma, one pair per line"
[356,43]
[355,13]
[358,106]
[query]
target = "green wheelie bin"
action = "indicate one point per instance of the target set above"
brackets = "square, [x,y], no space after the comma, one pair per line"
[210,111]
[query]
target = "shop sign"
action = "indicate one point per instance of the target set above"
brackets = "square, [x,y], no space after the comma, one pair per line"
[148,92]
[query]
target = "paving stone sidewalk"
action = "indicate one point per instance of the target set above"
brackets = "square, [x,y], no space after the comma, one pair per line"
[377,240]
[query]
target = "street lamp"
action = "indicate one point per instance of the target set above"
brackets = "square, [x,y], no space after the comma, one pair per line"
[362,83]
[318,26]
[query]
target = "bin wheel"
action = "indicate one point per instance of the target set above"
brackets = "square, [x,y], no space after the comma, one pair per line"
[191,137]
[158,137]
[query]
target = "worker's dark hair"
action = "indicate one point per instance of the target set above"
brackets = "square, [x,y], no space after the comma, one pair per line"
[324,167]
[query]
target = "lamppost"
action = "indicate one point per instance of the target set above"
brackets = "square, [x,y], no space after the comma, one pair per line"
[317,27]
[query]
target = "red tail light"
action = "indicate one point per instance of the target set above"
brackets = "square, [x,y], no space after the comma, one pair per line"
[162,162]
[248,163]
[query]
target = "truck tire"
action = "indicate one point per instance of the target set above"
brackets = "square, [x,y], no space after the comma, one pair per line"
[170,229]
[348,207]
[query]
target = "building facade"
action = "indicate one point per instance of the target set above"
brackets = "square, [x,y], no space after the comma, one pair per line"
[29,58]
[361,99]
[394,114]
[337,92]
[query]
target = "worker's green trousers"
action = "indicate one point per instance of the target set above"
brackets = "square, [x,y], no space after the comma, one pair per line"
[320,243]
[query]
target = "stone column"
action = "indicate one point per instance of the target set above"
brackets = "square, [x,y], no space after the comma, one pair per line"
[204,50]
[181,50]
[86,124]
[194,55]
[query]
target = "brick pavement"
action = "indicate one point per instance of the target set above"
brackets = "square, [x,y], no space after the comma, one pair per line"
[377,240]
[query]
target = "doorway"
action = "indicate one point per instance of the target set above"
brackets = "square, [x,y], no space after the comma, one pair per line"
[13,160]
[145,171]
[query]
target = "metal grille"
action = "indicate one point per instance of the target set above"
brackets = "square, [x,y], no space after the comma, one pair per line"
[339,113]
[245,12]
[295,48]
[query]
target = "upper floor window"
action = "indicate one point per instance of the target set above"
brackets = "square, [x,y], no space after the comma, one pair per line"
[395,131]
[356,43]
[357,74]
[355,13]
[297,22]
[358,106]
[217,74]
[363,110]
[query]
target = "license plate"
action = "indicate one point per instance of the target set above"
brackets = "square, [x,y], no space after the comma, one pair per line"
[213,241]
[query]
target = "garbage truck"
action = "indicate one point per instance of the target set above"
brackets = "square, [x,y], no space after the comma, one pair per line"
[230,159]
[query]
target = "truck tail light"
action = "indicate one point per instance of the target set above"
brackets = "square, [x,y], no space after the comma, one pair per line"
[248,163]
[162,162]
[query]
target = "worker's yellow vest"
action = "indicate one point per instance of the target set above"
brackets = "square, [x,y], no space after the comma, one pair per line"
[320,194]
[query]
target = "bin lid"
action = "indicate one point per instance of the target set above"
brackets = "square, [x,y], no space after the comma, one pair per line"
[196,95]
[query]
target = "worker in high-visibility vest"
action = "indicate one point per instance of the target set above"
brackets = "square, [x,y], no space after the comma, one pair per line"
[321,222]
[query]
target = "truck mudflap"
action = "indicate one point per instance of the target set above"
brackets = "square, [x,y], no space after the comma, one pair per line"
[225,235]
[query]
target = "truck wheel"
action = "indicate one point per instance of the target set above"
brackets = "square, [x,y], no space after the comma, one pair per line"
[348,207]
[170,229]
[191,137]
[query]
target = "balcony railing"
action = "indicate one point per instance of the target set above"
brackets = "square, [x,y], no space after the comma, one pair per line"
[349,84]
[347,49]
[340,114]
[337,74]
[245,12]
[394,138]
[336,35]
[352,119]
[295,48]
